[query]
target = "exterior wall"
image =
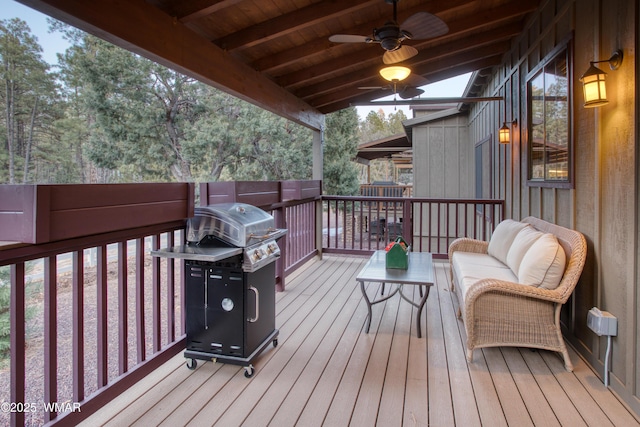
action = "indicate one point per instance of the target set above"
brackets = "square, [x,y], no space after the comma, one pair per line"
[603,203]
[440,147]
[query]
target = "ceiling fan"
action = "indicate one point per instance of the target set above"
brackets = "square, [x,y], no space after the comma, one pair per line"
[419,26]
[406,89]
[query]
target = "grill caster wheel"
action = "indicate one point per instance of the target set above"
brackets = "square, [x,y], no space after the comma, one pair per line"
[275,342]
[248,371]
[192,363]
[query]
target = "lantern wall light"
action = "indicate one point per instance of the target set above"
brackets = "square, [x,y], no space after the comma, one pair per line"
[504,133]
[593,81]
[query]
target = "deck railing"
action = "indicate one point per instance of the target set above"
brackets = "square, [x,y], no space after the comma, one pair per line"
[93,314]
[121,318]
[386,190]
[365,224]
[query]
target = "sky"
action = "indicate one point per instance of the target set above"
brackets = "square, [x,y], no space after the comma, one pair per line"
[53,43]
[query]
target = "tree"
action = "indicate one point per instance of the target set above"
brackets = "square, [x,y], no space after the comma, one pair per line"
[376,126]
[149,122]
[29,98]
[341,147]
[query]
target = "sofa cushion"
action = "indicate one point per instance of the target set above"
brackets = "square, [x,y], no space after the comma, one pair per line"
[521,244]
[469,267]
[502,238]
[543,264]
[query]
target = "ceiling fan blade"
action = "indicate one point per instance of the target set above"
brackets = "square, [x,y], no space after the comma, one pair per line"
[372,87]
[348,38]
[415,80]
[423,25]
[410,92]
[401,54]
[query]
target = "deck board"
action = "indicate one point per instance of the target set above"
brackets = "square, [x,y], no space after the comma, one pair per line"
[327,371]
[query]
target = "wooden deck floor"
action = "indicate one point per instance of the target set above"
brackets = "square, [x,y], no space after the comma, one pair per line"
[327,371]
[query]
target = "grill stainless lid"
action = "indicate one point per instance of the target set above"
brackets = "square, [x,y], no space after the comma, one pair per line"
[243,230]
[238,224]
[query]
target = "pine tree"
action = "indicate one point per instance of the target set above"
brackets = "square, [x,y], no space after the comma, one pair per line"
[341,147]
[29,100]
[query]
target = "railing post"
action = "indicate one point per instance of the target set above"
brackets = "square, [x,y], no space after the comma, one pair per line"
[407,221]
[17,308]
[140,303]
[50,335]
[281,220]
[102,316]
[123,313]
[78,324]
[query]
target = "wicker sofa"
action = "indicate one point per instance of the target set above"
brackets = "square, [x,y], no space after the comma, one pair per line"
[508,291]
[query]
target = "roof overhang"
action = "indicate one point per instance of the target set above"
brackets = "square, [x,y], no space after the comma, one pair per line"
[383,148]
[277,54]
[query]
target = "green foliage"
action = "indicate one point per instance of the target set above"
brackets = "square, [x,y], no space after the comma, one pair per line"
[376,126]
[152,123]
[29,101]
[5,325]
[340,175]
[109,115]
[5,309]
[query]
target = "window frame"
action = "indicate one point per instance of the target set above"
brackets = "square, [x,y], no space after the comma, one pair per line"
[564,48]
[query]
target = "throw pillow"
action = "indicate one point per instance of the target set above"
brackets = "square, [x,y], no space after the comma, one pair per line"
[543,264]
[503,237]
[521,244]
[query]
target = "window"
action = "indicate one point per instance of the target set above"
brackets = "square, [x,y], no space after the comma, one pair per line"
[549,116]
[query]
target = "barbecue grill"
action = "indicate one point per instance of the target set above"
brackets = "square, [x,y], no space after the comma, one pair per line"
[230,283]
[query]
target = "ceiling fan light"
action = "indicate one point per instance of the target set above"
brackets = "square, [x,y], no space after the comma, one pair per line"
[395,73]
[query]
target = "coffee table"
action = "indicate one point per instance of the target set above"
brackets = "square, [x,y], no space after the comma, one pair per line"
[420,272]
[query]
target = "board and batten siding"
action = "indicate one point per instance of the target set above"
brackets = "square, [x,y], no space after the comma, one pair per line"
[444,161]
[603,201]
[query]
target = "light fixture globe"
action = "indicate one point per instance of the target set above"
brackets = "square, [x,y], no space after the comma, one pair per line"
[395,73]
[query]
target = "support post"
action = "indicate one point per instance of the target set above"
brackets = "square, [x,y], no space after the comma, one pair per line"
[318,165]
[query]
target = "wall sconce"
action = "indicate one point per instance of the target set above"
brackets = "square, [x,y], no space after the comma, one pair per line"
[395,73]
[593,81]
[504,133]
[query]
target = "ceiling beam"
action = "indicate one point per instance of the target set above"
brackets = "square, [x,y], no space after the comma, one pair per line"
[187,11]
[319,73]
[141,28]
[290,22]
[347,86]
[484,18]
[329,104]
[429,101]
[313,47]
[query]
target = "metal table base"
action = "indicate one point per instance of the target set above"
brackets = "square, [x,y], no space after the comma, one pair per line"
[420,272]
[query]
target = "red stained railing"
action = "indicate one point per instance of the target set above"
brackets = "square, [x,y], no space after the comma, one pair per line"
[361,225]
[120,314]
[91,338]
[300,221]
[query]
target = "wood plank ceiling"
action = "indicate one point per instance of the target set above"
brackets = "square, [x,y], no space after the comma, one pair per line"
[277,53]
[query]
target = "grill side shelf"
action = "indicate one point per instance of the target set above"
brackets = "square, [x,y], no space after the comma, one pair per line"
[197,253]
